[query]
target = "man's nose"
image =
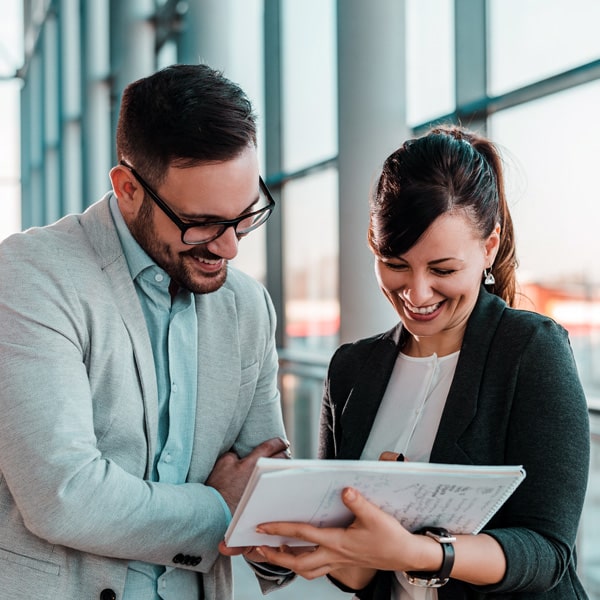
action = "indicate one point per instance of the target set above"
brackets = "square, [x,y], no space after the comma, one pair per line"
[226,245]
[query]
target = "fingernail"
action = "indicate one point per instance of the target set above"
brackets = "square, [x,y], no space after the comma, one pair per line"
[350,494]
[259,529]
[258,549]
[286,442]
[400,458]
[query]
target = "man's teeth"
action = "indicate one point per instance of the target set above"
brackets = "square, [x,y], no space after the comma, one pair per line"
[208,261]
[425,310]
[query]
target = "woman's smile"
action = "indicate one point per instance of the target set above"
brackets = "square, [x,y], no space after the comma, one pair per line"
[423,311]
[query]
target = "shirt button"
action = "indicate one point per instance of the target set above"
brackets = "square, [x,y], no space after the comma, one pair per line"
[168,458]
[174,387]
[158,277]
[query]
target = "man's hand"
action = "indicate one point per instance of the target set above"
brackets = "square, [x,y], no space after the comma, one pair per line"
[231,473]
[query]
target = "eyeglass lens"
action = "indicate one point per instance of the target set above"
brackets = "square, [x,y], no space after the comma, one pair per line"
[210,231]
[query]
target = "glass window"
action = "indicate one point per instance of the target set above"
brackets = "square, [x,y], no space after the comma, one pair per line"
[301,395]
[245,67]
[536,39]
[309,82]
[310,226]
[11,57]
[429,59]
[10,214]
[552,165]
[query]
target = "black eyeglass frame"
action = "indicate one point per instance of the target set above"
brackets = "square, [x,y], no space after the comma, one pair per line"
[226,223]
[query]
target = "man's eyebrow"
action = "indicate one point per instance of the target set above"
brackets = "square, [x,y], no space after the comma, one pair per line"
[209,218]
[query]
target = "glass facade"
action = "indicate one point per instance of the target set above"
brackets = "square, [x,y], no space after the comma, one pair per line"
[530,41]
[430,81]
[11,58]
[336,86]
[308,54]
[311,262]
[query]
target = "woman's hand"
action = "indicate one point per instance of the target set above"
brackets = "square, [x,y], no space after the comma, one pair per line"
[374,540]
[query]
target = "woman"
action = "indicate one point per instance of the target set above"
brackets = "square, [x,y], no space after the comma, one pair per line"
[463,378]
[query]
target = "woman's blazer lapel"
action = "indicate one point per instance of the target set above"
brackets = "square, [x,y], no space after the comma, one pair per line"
[462,403]
[365,396]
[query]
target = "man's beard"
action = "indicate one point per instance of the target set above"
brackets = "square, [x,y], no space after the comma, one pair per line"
[176,264]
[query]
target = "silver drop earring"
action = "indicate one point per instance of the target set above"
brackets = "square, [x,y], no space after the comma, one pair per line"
[489,278]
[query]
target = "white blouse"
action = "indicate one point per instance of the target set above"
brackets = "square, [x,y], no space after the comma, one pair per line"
[407,422]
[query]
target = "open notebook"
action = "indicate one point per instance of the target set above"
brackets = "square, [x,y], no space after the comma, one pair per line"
[461,498]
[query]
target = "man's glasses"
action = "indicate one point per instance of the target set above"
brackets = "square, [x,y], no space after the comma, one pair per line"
[196,233]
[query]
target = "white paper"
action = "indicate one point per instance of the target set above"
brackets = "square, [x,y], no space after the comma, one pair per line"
[461,498]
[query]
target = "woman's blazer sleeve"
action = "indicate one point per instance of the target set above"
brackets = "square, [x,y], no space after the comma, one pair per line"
[548,433]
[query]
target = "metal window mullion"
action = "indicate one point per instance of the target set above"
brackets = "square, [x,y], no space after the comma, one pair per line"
[274,158]
[470,27]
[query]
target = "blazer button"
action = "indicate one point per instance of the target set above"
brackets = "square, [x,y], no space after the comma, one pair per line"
[108,594]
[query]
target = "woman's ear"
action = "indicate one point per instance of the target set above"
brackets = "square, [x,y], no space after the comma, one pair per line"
[492,244]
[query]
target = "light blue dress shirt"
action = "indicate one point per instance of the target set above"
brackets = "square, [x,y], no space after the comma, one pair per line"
[173,330]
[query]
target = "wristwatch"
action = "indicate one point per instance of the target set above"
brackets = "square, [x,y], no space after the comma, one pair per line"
[430,578]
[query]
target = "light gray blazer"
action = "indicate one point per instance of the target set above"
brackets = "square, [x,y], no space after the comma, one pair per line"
[78,415]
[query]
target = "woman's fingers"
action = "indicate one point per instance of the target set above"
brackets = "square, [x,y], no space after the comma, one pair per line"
[300,531]
[310,564]
[391,456]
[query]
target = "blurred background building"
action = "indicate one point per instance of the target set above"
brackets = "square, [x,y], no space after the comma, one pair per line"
[337,86]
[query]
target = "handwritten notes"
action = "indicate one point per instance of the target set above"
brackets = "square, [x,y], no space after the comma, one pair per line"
[461,498]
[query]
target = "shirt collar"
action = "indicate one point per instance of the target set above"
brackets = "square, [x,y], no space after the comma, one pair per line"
[137,259]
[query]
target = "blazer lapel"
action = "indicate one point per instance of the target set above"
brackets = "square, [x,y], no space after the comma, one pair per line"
[98,224]
[359,412]
[462,402]
[219,377]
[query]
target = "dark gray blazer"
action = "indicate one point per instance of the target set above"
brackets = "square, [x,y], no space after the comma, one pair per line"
[515,399]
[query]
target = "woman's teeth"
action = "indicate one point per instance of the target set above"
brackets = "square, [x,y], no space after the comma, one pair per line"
[424,310]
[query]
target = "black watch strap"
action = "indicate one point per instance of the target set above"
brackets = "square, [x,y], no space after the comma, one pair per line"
[439,578]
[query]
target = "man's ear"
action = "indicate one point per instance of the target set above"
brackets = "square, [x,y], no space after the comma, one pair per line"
[126,188]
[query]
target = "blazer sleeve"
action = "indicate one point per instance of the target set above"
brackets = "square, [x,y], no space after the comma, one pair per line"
[549,434]
[264,418]
[66,489]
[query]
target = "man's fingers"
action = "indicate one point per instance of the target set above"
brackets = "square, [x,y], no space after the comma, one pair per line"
[273,448]
[234,551]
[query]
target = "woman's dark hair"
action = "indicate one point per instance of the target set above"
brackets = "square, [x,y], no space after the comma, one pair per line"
[447,170]
[183,115]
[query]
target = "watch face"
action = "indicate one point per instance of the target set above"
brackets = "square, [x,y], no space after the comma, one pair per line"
[432,582]
[440,535]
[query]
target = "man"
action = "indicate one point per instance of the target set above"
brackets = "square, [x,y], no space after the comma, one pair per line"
[138,372]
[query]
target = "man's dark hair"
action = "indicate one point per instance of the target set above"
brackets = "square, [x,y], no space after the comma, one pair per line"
[183,115]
